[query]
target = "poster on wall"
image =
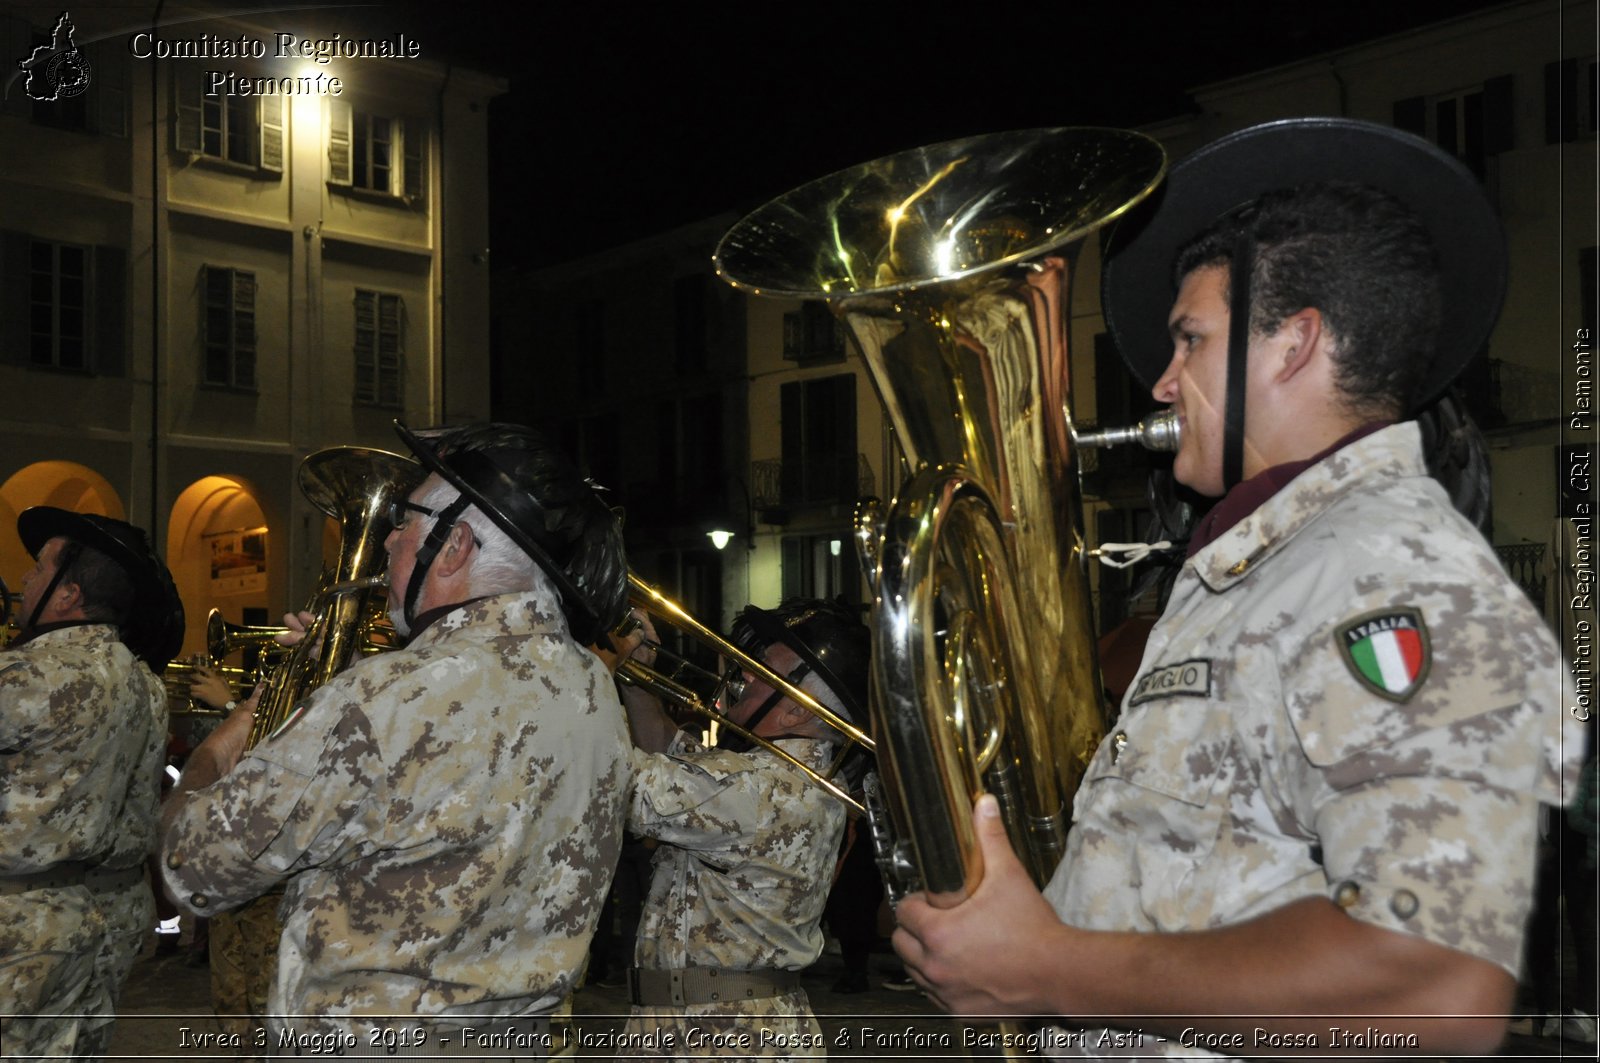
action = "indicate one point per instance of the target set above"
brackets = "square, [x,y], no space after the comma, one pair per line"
[238,561]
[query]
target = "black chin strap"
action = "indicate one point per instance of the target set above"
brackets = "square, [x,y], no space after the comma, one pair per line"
[735,742]
[1243,266]
[428,551]
[64,560]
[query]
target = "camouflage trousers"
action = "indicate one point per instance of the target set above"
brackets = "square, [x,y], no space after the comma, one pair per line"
[49,996]
[244,963]
[130,914]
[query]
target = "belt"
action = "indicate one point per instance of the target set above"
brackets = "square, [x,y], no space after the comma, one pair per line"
[71,873]
[59,876]
[114,878]
[679,986]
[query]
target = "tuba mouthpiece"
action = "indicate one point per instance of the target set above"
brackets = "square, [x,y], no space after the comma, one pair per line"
[1156,432]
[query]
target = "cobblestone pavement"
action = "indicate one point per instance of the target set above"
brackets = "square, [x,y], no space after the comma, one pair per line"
[166,1012]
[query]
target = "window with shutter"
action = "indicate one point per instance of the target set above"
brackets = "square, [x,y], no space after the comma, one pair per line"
[414,141]
[229,327]
[818,434]
[380,348]
[380,154]
[1571,100]
[271,117]
[1473,124]
[243,131]
[60,280]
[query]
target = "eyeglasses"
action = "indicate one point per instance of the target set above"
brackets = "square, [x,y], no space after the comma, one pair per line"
[399,509]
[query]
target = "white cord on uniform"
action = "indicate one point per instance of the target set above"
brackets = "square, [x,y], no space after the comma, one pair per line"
[1133,552]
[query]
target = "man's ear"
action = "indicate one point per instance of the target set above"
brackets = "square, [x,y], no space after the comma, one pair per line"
[1301,337]
[793,715]
[67,594]
[457,548]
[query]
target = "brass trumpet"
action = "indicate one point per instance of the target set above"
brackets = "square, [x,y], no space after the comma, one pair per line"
[222,637]
[673,677]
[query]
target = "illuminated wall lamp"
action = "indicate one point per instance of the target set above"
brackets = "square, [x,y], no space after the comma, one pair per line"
[720,537]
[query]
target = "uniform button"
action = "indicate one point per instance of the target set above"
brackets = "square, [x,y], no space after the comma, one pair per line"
[1118,740]
[1404,904]
[1239,567]
[199,900]
[1347,894]
[174,860]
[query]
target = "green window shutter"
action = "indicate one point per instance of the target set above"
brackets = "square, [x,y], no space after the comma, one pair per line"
[414,145]
[391,349]
[109,307]
[339,120]
[270,126]
[14,306]
[110,87]
[1411,115]
[366,346]
[244,329]
[1561,101]
[1499,119]
[185,109]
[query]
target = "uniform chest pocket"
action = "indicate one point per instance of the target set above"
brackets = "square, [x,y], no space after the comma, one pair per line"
[1155,803]
[1162,774]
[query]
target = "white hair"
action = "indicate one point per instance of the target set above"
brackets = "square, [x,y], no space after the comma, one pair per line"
[501,566]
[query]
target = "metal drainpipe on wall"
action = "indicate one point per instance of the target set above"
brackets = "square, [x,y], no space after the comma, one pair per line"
[156,525]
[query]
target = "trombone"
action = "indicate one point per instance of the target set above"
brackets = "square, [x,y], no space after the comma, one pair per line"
[670,684]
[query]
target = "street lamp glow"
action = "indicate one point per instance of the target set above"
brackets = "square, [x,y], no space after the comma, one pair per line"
[720,538]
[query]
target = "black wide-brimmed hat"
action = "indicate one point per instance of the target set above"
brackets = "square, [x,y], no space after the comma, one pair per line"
[154,628]
[1137,286]
[828,636]
[542,502]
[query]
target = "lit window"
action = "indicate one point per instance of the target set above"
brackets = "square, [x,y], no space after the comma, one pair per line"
[241,130]
[382,154]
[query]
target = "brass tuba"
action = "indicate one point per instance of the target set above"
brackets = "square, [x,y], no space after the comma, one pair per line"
[355,486]
[952,265]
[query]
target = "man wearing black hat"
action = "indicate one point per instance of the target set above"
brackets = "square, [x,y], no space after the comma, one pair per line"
[83,726]
[1312,830]
[446,816]
[747,846]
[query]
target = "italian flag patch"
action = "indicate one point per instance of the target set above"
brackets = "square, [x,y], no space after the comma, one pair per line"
[1387,651]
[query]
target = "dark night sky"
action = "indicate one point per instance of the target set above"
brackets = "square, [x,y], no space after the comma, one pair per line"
[623,121]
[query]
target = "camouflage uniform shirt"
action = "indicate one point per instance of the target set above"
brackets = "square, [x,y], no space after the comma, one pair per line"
[740,881]
[448,817]
[1256,762]
[79,719]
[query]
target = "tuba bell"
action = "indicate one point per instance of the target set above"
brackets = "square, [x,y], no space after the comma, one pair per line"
[951,267]
[355,486]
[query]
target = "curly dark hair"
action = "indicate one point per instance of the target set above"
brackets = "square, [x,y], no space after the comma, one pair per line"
[1357,254]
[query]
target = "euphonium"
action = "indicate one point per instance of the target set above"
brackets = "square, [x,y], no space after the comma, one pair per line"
[951,265]
[355,486]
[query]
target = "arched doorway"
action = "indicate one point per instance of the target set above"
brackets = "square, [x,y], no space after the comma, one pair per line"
[64,484]
[218,550]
